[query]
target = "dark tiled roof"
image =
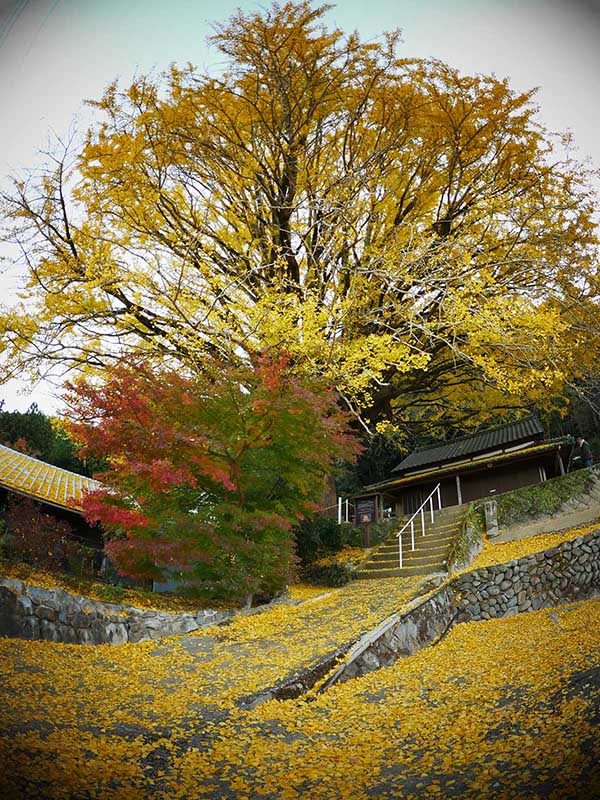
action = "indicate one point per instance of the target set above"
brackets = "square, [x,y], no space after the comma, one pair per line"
[434,473]
[504,436]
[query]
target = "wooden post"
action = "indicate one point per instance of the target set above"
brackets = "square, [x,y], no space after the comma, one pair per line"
[367,535]
[458,491]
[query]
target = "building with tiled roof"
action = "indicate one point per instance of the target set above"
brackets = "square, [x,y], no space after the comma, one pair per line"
[58,491]
[516,433]
[470,467]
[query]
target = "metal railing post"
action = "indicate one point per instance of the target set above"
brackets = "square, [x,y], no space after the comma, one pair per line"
[411,522]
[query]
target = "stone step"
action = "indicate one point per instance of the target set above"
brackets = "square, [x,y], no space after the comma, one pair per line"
[396,572]
[430,536]
[391,552]
[433,526]
[446,511]
[414,559]
[420,541]
[451,526]
[430,551]
[393,555]
[448,533]
[390,555]
[393,563]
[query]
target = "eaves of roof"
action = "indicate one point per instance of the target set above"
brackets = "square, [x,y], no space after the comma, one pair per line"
[31,477]
[462,466]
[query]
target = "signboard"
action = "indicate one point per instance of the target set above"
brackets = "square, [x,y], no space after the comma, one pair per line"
[365,510]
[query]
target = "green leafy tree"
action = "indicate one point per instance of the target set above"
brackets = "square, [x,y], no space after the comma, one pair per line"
[46,438]
[30,431]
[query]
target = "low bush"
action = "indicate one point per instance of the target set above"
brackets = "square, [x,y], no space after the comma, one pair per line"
[332,573]
[317,535]
[110,593]
[42,540]
[335,569]
[321,536]
[380,531]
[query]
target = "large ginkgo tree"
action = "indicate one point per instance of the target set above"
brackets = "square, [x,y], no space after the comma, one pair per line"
[412,233]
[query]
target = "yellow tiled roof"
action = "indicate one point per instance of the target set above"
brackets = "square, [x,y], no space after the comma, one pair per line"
[35,478]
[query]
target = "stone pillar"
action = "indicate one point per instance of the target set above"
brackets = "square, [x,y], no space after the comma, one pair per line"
[490,508]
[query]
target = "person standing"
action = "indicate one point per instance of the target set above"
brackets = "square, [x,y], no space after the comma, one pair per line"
[582,454]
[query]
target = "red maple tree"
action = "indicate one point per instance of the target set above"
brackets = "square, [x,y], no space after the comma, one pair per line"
[208,472]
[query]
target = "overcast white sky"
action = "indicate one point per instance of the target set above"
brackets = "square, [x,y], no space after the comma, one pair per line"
[54,54]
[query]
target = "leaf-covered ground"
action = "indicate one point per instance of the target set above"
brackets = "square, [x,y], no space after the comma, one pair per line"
[137,598]
[503,709]
[94,590]
[501,552]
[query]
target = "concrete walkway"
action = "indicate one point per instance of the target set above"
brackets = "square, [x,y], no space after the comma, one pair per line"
[574,514]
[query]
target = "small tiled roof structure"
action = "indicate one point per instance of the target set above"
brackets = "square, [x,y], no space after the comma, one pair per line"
[34,478]
[491,439]
[469,463]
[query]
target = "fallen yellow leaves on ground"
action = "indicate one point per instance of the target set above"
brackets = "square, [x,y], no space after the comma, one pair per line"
[520,548]
[494,709]
[505,700]
[300,592]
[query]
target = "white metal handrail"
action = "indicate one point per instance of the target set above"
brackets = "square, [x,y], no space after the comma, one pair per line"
[411,522]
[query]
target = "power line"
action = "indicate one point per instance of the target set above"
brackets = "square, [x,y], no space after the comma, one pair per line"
[41,27]
[7,27]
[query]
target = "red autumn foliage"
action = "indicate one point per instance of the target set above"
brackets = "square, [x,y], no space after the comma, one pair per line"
[208,472]
[40,539]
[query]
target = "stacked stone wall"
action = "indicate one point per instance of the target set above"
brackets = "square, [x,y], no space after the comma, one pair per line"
[562,574]
[567,572]
[29,612]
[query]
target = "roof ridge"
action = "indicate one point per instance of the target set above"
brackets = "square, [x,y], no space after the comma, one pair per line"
[466,436]
[517,430]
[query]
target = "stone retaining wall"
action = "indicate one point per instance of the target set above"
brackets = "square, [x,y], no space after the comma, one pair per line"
[564,573]
[567,572]
[29,612]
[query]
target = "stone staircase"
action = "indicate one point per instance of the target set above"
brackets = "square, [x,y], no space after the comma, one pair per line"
[430,553]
